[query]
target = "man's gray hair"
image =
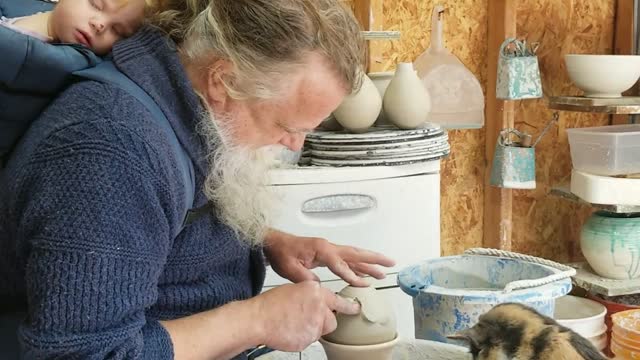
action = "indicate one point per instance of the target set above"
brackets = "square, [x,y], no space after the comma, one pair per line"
[264,40]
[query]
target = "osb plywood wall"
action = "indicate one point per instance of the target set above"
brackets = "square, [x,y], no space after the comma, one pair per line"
[544,225]
[465,35]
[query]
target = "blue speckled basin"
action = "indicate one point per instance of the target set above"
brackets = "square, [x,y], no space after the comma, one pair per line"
[450,293]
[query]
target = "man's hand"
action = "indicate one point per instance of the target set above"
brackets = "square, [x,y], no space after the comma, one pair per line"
[291,317]
[293,257]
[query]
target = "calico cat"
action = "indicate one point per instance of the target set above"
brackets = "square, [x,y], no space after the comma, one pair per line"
[516,332]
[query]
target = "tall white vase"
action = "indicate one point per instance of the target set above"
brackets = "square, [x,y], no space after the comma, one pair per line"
[381,80]
[358,111]
[406,101]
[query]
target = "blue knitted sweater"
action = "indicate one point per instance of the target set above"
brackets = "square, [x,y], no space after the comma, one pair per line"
[88,203]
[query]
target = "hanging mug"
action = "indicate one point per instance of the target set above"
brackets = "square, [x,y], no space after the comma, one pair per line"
[518,72]
[514,165]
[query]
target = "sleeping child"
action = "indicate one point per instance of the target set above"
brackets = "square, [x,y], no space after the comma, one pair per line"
[42,44]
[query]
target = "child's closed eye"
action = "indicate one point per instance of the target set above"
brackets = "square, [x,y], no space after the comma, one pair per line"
[97,4]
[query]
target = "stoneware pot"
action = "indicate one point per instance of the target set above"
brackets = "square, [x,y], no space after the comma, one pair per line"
[375,324]
[611,244]
[331,124]
[381,80]
[358,111]
[382,351]
[406,101]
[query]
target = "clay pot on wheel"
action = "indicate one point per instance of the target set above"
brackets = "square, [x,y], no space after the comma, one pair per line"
[369,335]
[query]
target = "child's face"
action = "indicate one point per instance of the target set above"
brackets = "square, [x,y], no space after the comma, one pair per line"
[97,24]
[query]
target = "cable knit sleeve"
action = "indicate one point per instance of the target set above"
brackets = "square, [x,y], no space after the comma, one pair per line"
[95,218]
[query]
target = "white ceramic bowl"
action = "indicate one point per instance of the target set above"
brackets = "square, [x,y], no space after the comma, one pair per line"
[600,342]
[381,351]
[603,76]
[584,316]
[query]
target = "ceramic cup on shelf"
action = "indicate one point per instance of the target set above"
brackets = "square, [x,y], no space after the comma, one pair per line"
[359,111]
[611,244]
[406,102]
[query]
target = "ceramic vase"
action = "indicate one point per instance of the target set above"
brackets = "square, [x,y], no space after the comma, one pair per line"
[359,111]
[611,245]
[381,80]
[406,102]
[331,124]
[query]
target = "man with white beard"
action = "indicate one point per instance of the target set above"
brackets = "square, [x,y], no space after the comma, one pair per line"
[91,198]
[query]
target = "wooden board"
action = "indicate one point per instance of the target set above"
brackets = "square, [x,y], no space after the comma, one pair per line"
[623,44]
[498,224]
[465,36]
[370,15]
[621,105]
[549,226]
[587,279]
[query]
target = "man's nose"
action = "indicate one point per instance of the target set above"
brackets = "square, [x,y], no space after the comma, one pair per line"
[293,142]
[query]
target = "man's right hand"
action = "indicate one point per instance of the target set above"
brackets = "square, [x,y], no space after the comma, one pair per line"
[291,317]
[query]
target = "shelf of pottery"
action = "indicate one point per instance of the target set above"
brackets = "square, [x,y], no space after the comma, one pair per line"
[400,117]
[606,164]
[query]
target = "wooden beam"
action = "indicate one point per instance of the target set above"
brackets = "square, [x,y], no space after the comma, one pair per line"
[370,15]
[498,220]
[623,43]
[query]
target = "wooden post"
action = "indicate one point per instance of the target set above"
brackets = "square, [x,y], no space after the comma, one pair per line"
[498,222]
[623,43]
[370,15]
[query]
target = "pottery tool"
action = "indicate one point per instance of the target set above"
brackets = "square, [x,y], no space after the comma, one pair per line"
[380,35]
[553,120]
[456,96]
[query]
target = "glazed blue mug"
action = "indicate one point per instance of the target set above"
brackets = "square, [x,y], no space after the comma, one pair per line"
[514,165]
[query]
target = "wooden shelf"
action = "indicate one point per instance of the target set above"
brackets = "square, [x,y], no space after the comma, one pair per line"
[588,280]
[564,192]
[626,105]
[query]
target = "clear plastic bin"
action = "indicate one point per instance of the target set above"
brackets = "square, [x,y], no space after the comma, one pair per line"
[606,150]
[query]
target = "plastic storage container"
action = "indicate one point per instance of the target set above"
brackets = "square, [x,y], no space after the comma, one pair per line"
[606,150]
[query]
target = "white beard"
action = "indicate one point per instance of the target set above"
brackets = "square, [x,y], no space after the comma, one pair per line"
[236,182]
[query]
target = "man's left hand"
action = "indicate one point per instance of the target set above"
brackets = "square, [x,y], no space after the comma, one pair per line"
[293,257]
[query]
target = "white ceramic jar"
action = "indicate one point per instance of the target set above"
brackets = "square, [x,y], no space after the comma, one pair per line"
[406,101]
[381,80]
[359,111]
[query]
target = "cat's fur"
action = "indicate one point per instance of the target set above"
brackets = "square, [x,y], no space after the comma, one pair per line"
[516,332]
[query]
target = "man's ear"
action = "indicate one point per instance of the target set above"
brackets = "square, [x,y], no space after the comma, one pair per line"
[218,74]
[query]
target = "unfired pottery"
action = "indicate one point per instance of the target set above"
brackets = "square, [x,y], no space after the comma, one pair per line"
[406,101]
[381,80]
[382,351]
[358,111]
[376,323]
[331,124]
